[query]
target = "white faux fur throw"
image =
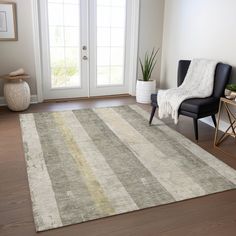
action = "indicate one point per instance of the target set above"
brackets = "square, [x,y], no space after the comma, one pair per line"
[198,83]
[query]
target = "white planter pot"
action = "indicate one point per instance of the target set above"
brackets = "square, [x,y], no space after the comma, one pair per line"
[227,92]
[144,89]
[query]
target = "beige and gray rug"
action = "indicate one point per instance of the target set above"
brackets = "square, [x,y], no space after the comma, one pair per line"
[88,164]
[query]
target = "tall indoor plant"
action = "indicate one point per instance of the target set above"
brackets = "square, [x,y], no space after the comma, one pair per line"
[146,86]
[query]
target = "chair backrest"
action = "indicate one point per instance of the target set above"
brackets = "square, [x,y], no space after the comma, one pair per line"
[222,76]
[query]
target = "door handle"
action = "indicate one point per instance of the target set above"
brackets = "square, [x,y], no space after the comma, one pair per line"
[85,58]
[84,48]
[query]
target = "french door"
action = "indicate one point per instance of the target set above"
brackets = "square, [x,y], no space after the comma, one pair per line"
[84,47]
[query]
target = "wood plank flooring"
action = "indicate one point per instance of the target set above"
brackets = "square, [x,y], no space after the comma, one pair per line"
[210,215]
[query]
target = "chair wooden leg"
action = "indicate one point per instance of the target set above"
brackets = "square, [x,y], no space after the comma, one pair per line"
[214,120]
[195,123]
[152,114]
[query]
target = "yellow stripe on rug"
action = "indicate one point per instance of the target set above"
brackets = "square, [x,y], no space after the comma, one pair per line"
[91,182]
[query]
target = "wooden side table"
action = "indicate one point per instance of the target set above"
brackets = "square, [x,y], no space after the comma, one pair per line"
[16,92]
[231,130]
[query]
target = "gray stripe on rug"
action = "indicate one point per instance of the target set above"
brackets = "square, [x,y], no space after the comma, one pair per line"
[118,197]
[221,167]
[124,163]
[207,177]
[73,199]
[151,157]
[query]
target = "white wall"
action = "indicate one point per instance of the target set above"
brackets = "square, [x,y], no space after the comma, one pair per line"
[151,31]
[14,55]
[197,29]
[21,54]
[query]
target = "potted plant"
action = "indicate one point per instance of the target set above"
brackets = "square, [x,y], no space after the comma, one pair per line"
[230,91]
[146,86]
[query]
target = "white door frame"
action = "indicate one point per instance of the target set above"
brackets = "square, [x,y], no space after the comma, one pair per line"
[132,51]
[37,49]
[134,46]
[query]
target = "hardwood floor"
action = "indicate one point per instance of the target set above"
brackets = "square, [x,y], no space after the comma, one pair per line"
[209,215]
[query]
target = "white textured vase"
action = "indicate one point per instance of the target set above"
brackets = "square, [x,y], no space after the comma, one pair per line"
[17,95]
[144,89]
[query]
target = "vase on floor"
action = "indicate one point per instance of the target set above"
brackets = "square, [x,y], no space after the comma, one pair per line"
[17,94]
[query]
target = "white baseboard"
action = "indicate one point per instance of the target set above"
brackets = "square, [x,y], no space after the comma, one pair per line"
[223,125]
[33,100]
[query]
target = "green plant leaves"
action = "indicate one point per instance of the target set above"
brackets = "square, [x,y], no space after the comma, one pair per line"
[148,65]
[231,87]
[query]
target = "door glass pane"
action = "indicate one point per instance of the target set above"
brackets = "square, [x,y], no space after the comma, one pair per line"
[111,18]
[64,38]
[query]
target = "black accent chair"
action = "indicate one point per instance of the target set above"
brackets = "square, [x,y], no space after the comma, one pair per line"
[198,108]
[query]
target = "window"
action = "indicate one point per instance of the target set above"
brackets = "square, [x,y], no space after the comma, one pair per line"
[64,34]
[111,26]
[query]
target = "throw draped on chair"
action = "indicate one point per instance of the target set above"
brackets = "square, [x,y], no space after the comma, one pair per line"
[198,108]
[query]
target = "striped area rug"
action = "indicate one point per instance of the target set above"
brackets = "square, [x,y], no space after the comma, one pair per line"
[88,164]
